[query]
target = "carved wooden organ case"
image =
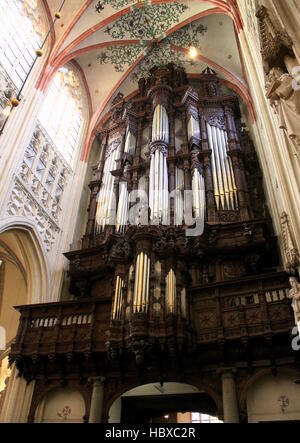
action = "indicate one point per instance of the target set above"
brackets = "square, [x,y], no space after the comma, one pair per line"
[147,246]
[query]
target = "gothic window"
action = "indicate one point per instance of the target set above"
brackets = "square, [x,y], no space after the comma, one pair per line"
[62,112]
[21,33]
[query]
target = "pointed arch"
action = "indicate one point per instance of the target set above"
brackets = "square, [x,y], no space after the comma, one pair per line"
[34,256]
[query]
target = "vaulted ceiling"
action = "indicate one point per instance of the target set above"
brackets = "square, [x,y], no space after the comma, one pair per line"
[115,42]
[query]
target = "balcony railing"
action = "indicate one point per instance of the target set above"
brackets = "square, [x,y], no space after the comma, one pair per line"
[80,327]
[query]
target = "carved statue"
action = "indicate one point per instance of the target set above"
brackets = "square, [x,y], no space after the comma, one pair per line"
[291,253]
[285,97]
[279,63]
[294,295]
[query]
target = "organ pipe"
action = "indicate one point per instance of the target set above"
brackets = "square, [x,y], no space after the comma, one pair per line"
[225,189]
[118,299]
[158,182]
[160,125]
[130,143]
[141,284]
[178,200]
[171,292]
[198,186]
[106,194]
[193,128]
[123,207]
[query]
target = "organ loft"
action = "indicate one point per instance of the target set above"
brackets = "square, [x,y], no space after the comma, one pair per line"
[177,279]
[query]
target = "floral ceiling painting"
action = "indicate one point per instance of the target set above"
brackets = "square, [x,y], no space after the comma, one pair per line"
[148,22]
[149,25]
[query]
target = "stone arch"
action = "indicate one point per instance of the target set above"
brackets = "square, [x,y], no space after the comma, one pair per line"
[33,256]
[43,408]
[287,373]
[111,395]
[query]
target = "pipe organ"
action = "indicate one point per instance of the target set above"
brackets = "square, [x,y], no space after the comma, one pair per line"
[169,143]
[159,299]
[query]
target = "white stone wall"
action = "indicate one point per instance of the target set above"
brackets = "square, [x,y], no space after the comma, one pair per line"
[274,399]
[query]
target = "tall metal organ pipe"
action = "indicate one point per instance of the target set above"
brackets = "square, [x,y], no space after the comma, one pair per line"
[141,284]
[118,299]
[199,203]
[158,183]
[123,205]
[160,125]
[171,292]
[225,188]
[106,195]
[193,128]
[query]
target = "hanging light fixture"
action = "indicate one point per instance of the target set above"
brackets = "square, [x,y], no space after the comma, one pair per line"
[15,101]
[192,52]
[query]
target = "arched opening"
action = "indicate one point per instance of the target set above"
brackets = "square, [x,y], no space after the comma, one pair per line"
[164,403]
[61,405]
[23,280]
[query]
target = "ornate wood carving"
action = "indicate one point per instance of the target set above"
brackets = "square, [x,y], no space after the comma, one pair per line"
[235,306]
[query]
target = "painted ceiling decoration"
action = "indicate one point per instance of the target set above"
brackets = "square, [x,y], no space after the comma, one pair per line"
[156,52]
[116,4]
[157,56]
[114,43]
[148,22]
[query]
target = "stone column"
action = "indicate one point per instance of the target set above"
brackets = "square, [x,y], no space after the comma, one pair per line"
[230,401]
[97,399]
[17,401]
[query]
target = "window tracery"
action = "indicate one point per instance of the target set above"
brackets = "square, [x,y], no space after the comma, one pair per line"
[62,111]
[21,33]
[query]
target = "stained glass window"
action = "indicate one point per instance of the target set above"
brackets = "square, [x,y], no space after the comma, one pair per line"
[21,33]
[61,114]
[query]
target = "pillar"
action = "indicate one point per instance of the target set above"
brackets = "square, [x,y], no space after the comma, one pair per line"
[97,399]
[17,400]
[229,394]
[115,411]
